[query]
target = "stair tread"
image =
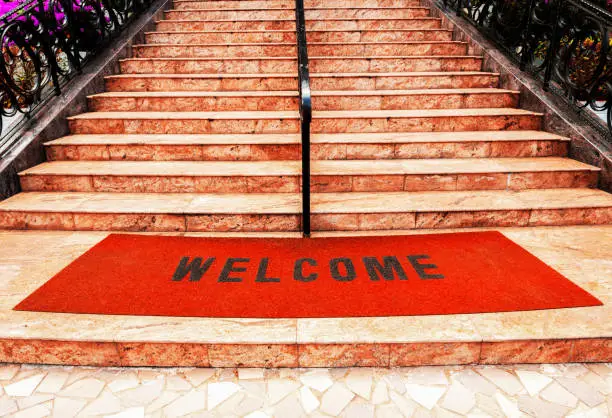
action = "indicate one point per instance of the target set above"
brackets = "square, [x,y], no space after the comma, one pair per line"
[319,167]
[284,93]
[321,114]
[293,31]
[358,138]
[251,44]
[294,75]
[293,20]
[387,202]
[334,57]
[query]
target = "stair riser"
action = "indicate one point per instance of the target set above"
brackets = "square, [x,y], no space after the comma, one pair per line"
[209,66]
[385,65]
[289,4]
[472,219]
[219,37]
[183,126]
[191,104]
[319,184]
[320,221]
[319,102]
[188,51]
[427,124]
[312,14]
[220,4]
[326,25]
[290,83]
[252,152]
[129,222]
[317,65]
[373,24]
[289,37]
[245,25]
[379,36]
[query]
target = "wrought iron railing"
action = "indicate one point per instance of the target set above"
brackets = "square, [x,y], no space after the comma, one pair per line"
[564,43]
[44,44]
[305,110]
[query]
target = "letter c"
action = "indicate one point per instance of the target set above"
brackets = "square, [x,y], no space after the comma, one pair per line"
[298,270]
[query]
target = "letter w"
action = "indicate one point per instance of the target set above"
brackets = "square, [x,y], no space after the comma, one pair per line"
[195,268]
[391,266]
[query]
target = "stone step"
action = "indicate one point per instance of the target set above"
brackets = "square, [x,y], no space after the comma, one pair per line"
[386,64]
[323,146]
[328,176]
[288,100]
[158,212]
[288,36]
[431,120]
[310,14]
[437,210]
[289,4]
[288,81]
[185,122]
[289,49]
[265,65]
[289,24]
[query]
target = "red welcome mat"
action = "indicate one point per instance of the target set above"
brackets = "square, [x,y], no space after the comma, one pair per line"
[318,277]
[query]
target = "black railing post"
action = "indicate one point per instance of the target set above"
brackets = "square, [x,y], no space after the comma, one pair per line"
[526,50]
[554,45]
[305,110]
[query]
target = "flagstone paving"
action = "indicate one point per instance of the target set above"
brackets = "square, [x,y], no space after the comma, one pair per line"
[560,390]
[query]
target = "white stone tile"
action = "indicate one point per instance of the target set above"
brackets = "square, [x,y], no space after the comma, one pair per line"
[106,404]
[189,403]
[279,388]
[257,414]
[85,388]
[427,396]
[290,406]
[67,408]
[475,382]
[335,399]
[395,382]
[251,374]
[459,399]
[124,382]
[388,411]
[360,382]
[219,392]
[309,401]
[53,382]
[555,393]
[509,407]
[136,412]
[38,411]
[248,404]
[177,384]
[380,394]
[34,399]
[431,375]
[198,376]
[541,409]
[359,410]
[7,406]
[317,379]
[582,391]
[8,371]
[502,379]
[534,382]
[24,387]
[143,394]
[164,399]
[405,405]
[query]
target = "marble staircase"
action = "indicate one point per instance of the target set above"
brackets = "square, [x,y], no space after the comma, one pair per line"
[200,132]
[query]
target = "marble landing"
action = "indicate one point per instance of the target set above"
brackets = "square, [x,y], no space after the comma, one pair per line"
[583,254]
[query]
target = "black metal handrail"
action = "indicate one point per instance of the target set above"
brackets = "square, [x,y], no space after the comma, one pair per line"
[566,44]
[305,110]
[44,44]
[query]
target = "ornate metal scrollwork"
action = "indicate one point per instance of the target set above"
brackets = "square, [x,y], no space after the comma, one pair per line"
[566,43]
[45,43]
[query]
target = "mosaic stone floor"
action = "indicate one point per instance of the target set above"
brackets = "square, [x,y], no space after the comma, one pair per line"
[572,390]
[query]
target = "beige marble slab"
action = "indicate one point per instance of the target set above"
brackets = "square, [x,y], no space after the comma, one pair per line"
[177,139]
[189,115]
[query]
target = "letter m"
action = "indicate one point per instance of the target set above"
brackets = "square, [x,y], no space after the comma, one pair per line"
[390,267]
[195,269]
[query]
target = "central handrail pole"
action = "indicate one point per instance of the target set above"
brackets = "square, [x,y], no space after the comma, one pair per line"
[305,111]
